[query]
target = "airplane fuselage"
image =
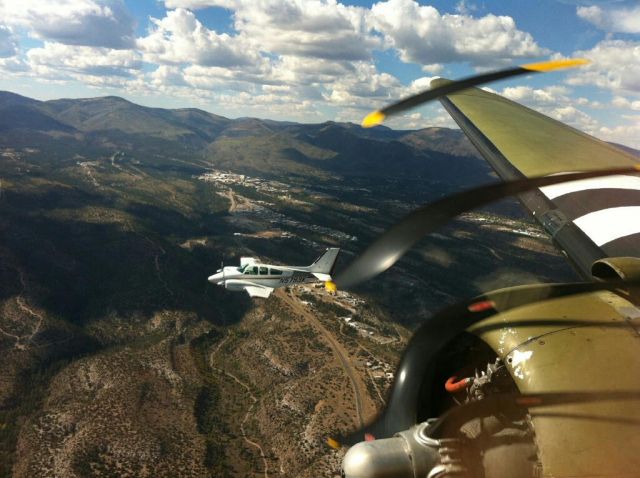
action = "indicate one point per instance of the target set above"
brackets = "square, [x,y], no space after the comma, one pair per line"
[266,276]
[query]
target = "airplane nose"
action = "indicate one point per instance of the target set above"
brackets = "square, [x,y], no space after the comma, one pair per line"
[216,279]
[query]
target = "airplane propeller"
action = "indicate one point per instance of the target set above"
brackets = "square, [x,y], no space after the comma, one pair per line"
[377,117]
[395,242]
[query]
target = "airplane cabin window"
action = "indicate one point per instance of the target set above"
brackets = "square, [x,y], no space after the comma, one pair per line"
[276,272]
[264,271]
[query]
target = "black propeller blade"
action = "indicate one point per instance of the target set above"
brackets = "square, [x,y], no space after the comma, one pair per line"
[450,87]
[392,245]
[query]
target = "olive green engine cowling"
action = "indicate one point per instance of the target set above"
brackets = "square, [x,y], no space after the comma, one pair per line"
[585,343]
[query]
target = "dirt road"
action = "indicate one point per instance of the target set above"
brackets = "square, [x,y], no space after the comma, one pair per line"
[338,351]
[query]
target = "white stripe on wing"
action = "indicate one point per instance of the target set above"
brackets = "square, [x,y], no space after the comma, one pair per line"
[608,182]
[608,225]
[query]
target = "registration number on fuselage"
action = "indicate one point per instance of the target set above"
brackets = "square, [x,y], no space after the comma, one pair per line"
[294,279]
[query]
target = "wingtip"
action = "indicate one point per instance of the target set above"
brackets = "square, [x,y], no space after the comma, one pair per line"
[373,119]
[556,64]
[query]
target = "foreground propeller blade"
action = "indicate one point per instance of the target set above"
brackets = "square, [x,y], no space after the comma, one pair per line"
[377,117]
[392,245]
[410,391]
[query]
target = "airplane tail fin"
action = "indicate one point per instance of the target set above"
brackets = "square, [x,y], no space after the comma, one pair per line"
[323,266]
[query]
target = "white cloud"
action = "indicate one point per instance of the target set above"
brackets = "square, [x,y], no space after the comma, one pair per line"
[627,134]
[301,71]
[8,45]
[55,60]
[433,68]
[418,85]
[311,28]
[465,8]
[104,23]
[289,51]
[195,4]
[317,51]
[181,38]
[13,64]
[621,102]
[330,30]
[615,65]
[551,95]
[365,88]
[621,19]
[422,35]
[323,29]
[166,75]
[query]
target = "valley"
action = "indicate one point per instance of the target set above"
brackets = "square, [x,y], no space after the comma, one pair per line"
[120,357]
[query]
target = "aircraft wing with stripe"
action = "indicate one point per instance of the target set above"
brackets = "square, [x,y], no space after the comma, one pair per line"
[590,219]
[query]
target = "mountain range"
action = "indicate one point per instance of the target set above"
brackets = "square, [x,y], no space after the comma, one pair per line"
[252,145]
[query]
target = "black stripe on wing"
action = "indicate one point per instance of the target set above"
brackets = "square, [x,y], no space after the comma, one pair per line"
[580,203]
[628,246]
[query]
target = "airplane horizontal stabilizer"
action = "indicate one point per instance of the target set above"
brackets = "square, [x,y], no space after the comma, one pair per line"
[322,277]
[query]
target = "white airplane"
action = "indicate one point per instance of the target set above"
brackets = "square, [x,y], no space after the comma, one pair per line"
[259,279]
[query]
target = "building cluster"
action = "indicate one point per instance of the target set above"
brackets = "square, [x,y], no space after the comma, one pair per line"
[10,154]
[378,369]
[349,299]
[264,209]
[506,224]
[259,184]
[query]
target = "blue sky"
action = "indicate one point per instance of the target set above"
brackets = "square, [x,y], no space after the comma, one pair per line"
[318,60]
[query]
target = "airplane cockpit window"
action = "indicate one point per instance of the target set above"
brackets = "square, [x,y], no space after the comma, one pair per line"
[242,268]
[264,271]
[251,271]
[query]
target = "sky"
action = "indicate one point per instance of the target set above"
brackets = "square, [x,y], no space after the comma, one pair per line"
[316,60]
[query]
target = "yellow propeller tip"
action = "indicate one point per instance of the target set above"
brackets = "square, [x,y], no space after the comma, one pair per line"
[330,286]
[373,119]
[333,444]
[556,64]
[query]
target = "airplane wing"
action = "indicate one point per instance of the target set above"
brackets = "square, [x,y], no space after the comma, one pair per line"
[258,291]
[589,220]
